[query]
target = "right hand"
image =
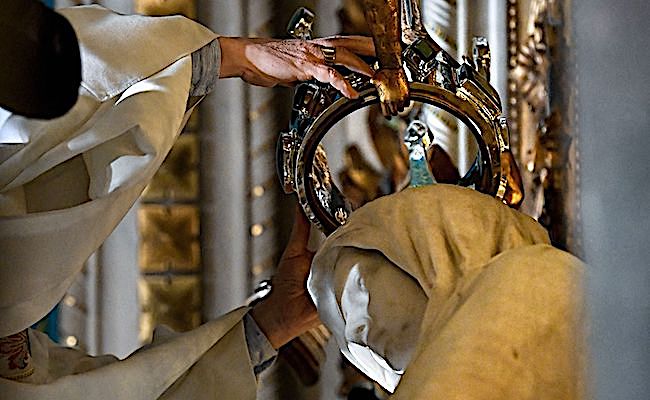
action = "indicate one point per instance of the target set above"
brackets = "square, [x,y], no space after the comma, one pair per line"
[271,62]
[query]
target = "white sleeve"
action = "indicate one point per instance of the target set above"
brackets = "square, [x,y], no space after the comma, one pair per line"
[122,142]
[209,362]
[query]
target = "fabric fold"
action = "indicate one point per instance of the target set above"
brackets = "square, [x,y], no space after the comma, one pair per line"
[503,317]
[131,48]
[165,368]
[122,145]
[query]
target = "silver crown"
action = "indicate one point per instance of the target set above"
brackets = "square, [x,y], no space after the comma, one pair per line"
[435,78]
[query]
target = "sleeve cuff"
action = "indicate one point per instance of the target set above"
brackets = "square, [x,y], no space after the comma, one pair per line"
[261,353]
[206,63]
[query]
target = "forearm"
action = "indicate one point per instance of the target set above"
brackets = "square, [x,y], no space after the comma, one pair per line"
[224,57]
[233,56]
[277,320]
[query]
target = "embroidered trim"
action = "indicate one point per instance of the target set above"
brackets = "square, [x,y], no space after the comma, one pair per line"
[21,376]
[15,359]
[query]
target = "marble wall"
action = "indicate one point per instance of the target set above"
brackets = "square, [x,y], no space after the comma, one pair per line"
[613,98]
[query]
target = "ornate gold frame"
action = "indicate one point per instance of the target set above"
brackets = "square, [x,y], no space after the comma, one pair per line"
[542,112]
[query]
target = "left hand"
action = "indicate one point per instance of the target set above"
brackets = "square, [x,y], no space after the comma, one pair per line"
[271,62]
[288,311]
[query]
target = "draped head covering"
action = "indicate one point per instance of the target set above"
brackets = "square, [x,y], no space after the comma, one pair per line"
[502,311]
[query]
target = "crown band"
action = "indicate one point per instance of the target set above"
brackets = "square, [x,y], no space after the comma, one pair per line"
[436,79]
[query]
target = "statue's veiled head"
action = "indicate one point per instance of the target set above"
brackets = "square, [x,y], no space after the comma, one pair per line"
[396,258]
[376,309]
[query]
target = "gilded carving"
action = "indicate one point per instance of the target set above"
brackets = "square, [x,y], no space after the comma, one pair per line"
[173,301]
[178,176]
[390,80]
[169,238]
[165,7]
[546,133]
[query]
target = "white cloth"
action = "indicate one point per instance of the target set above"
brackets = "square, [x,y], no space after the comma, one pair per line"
[504,310]
[64,186]
[210,362]
[130,109]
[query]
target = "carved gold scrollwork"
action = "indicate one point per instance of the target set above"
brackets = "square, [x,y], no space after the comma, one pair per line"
[169,254]
[531,74]
[178,177]
[169,238]
[174,301]
[545,129]
[390,79]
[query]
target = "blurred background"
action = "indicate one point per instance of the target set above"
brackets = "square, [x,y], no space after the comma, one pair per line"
[572,77]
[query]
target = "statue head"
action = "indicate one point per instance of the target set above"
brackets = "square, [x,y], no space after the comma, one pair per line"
[375,310]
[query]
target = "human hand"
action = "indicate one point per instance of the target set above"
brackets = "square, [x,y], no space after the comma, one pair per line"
[271,62]
[288,311]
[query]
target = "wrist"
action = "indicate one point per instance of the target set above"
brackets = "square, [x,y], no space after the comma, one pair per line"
[280,323]
[268,318]
[234,62]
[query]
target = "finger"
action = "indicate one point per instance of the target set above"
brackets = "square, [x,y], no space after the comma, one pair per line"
[362,45]
[329,75]
[351,61]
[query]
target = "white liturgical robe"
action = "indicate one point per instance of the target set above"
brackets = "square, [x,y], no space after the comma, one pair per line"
[479,304]
[66,183]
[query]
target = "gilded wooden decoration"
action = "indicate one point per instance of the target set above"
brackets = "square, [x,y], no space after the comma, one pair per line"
[174,301]
[544,104]
[169,238]
[306,354]
[390,79]
[166,7]
[178,177]
[169,221]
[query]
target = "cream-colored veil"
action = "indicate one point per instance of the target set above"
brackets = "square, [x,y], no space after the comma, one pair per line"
[499,297]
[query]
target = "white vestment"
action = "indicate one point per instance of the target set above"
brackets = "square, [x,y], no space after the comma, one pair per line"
[66,183]
[502,315]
